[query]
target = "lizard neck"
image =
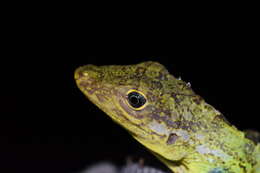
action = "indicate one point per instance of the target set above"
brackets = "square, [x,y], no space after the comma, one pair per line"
[214,142]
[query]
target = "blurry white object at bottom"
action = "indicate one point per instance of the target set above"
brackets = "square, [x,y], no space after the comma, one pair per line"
[105,167]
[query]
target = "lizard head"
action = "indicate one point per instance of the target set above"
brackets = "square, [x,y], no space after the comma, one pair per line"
[162,113]
[143,98]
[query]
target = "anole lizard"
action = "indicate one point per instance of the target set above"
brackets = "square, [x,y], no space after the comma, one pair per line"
[165,115]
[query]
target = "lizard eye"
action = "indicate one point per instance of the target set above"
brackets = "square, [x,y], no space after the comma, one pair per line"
[136,99]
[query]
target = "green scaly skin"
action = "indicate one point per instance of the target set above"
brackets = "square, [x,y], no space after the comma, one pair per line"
[175,124]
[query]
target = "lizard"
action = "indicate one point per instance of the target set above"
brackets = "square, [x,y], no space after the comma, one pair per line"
[165,115]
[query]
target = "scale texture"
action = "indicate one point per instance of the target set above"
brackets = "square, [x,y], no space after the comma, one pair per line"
[165,115]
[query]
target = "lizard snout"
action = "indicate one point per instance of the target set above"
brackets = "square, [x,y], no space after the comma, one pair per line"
[85,72]
[88,78]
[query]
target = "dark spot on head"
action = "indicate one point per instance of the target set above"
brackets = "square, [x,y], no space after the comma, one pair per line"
[176,99]
[208,107]
[221,117]
[172,138]
[156,85]
[140,71]
[162,76]
[197,100]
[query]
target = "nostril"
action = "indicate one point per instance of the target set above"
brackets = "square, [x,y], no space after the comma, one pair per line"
[77,74]
[80,72]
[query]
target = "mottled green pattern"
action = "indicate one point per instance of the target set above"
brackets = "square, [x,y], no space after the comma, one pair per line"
[178,126]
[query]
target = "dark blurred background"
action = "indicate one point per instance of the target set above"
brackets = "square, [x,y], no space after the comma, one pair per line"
[47,124]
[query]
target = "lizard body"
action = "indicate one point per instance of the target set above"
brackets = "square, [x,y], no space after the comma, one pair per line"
[165,115]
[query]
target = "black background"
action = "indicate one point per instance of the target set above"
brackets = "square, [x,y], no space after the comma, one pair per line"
[47,124]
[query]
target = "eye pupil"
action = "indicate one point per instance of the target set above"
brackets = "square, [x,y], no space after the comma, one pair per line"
[136,99]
